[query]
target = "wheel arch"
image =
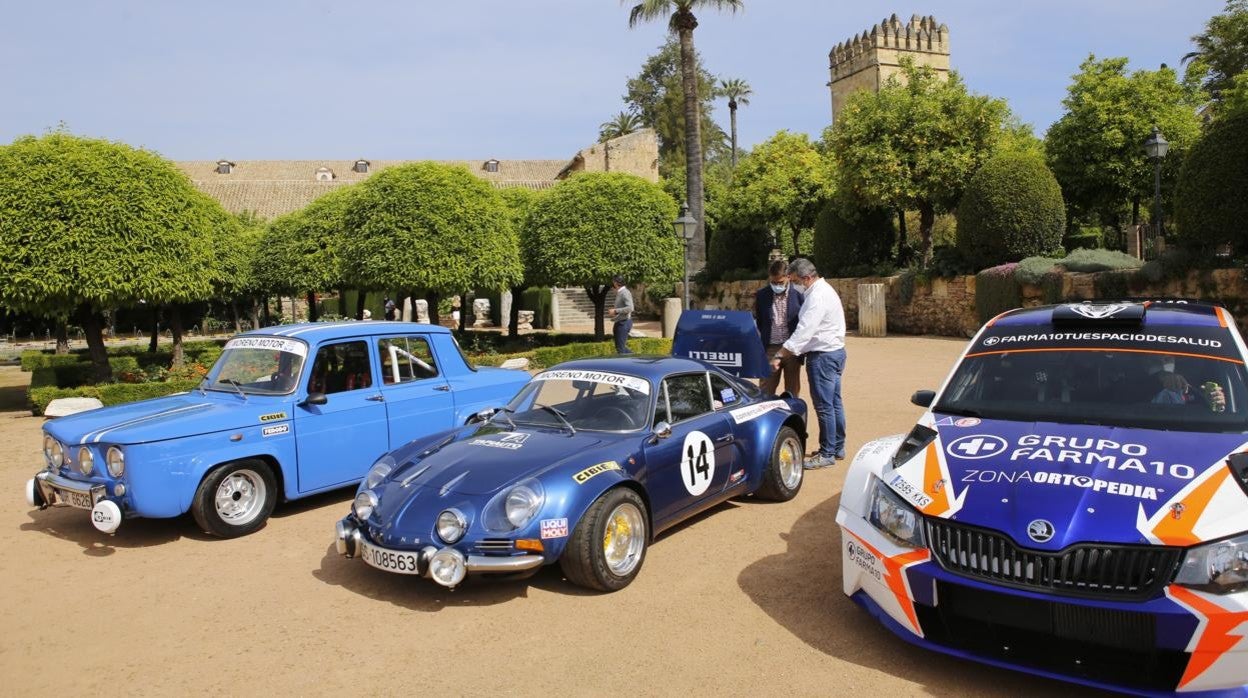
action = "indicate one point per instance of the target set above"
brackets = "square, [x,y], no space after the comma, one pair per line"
[266,458]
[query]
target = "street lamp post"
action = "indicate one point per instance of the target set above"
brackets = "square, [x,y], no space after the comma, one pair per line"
[1156,148]
[686,227]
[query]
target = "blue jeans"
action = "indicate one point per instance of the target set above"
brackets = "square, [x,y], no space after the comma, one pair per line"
[621,330]
[823,372]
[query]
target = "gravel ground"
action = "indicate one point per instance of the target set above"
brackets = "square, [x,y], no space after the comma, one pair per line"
[744,600]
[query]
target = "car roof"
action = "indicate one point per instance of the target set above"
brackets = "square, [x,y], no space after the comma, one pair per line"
[319,331]
[1137,313]
[651,367]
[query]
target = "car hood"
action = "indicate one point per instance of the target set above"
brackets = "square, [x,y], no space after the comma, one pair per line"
[483,461]
[1089,483]
[165,418]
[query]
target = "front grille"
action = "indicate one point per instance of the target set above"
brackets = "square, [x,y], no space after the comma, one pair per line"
[1098,644]
[1086,569]
[495,545]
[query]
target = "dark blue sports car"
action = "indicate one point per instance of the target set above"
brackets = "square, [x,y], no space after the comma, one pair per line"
[583,467]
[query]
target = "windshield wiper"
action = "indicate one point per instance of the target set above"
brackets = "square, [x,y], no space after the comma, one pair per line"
[506,412]
[562,417]
[237,386]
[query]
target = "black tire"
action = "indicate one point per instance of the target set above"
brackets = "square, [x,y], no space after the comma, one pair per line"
[253,474]
[584,561]
[774,485]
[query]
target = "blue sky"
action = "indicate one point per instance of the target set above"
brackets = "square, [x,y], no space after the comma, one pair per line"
[280,79]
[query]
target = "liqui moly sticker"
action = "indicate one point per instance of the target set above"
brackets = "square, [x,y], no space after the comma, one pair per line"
[631,382]
[555,528]
[290,346]
[742,415]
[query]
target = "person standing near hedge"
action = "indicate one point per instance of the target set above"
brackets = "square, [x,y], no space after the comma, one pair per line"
[820,339]
[622,314]
[776,308]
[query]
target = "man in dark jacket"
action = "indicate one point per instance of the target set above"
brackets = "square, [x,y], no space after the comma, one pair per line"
[775,310]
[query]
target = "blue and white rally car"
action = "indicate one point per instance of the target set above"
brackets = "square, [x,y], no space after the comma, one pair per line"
[1074,503]
[583,467]
[284,413]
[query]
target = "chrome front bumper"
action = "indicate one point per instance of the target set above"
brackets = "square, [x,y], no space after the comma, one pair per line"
[42,490]
[347,541]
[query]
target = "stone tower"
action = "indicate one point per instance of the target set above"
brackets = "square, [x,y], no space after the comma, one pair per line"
[866,62]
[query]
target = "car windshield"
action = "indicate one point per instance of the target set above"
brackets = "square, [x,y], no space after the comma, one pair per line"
[258,365]
[1123,387]
[590,400]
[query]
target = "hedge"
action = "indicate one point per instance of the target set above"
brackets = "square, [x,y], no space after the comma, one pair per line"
[851,241]
[109,394]
[1210,205]
[124,358]
[996,291]
[1012,209]
[549,356]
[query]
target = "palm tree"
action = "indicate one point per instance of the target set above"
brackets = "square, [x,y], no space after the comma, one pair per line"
[682,23]
[621,124]
[738,93]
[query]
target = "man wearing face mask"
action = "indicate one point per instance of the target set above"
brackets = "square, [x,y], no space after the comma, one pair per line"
[820,338]
[776,308]
[1165,387]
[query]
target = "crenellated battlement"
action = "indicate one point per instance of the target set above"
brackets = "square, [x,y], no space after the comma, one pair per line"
[866,61]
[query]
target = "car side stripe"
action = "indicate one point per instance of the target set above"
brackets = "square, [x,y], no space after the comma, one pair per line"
[100,434]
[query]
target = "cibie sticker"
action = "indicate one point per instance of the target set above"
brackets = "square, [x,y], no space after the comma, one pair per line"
[272,416]
[290,346]
[581,477]
[742,415]
[697,463]
[555,528]
[274,430]
[641,385]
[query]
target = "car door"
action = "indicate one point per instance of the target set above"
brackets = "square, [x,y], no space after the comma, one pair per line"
[688,470]
[338,440]
[417,397]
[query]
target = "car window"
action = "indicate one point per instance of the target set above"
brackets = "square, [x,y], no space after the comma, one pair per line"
[1148,389]
[723,393]
[594,400]
[660,406]
[406,359]
[688,396]
[341,367]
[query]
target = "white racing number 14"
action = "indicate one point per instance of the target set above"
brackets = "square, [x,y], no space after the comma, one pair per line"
[697,463]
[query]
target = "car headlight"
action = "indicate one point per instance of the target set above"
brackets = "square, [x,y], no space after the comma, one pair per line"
[86,460]
[378,472]
[522,503]
[451,526]
[447,567]
[52,451]
[891,515]
[116,461]
[364,504]
[1219,568]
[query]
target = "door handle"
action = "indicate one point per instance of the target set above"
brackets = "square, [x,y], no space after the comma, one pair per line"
[724,439]
[443,388]
[376,398]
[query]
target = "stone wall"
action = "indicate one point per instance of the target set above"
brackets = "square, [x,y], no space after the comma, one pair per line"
[947,306]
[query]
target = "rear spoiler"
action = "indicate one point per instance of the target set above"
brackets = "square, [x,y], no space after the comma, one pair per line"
[726,338]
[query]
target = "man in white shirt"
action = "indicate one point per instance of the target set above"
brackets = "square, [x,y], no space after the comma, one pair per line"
[820,337]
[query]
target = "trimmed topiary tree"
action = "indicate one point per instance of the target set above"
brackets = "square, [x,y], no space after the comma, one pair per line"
[1210,204]
[849,239]
[735,245]
[432,227]
[599,224]
[1012,209]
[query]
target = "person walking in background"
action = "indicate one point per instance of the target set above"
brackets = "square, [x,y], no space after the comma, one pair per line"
[776,308]
[390,308]
[820,339]
[622,314]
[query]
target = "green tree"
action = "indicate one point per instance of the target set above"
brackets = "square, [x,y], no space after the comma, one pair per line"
[1211,206]
[682,23]
[1012,209]
[1235,97]
[656,96]
[596,225]
[429,227]
[302,247]
[851,240]
[781,185]
[738,92]
[1221,50]
[621,124]
[89,225]
[915,143]
[1096,148]
[520,202]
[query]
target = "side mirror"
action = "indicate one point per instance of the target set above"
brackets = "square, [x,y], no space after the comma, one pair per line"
[482,415]
[923,398]
[662,430]
[316,399]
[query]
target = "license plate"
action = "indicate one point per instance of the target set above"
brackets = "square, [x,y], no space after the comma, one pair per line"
[399,561]
[80,500]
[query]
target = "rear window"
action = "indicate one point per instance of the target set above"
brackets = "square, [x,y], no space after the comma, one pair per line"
[1162,378]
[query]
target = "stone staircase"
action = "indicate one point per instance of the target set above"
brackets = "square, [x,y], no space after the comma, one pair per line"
[572,309]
